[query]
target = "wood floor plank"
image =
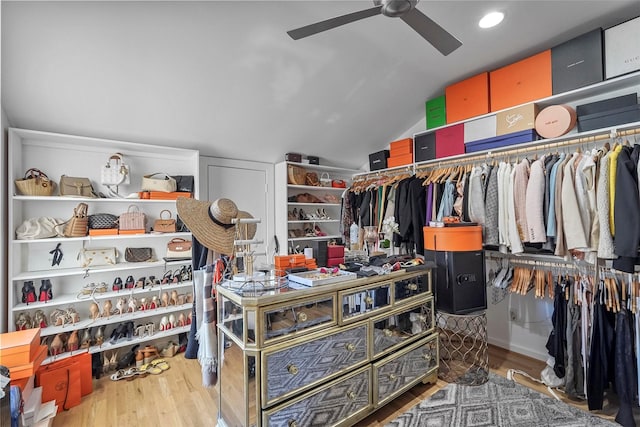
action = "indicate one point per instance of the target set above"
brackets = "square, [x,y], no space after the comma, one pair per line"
[177,398]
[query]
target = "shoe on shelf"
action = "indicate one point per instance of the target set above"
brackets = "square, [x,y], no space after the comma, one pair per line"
[129,283]
[45,290]
[117,284]
[28,292]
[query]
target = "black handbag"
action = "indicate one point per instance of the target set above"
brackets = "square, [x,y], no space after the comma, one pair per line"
[138,254]
[184,183]
[103,220]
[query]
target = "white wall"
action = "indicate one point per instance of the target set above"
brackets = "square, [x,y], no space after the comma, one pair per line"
[3,224]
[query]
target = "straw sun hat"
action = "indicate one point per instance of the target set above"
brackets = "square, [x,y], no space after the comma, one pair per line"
[211,222]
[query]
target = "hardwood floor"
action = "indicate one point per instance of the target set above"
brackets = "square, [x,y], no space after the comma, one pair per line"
[177,398]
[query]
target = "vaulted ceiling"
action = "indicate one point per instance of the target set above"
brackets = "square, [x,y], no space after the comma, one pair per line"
[223,77]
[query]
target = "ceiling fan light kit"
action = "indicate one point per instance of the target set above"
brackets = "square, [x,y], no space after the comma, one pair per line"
[406,10]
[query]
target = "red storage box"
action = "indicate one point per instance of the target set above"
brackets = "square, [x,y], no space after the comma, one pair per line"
[468,98]
[335,251]
[453,239]
[19,348]
[450,141]
[521,82]
[335,262]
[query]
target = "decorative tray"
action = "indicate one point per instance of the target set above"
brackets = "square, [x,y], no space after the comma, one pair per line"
[318,277]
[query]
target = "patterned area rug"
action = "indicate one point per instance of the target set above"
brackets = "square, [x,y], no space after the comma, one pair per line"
[498,402]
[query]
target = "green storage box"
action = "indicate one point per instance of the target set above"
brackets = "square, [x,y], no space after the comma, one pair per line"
[436,113]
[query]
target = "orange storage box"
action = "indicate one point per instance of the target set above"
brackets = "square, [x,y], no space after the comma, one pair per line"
[103,231]
[19,348]
[453,239]
[401,146]
[28,369]
[521,82]
[401,160]
[468,98]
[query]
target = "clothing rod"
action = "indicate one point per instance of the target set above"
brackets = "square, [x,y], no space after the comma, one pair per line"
[515,151]
[385,173]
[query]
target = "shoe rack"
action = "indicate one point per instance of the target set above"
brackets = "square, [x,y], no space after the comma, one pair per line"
[82,311]
[297,222]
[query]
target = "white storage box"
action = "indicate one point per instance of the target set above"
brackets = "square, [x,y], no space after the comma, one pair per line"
[480,129]
[622,48]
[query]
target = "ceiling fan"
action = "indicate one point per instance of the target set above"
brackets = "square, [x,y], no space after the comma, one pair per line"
[403,9]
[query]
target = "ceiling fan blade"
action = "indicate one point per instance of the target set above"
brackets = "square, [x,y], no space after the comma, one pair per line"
[432,32]
[319,27]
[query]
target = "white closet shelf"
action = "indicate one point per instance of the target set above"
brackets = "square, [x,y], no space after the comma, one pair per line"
[121,266]
[110,237]
[87,199]
[333,236]
[314,204]
[120,343]
[67,299]
[315,187]
[116,318]
[324,168]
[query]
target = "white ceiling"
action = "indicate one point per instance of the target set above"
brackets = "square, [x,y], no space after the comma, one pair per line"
[226,79]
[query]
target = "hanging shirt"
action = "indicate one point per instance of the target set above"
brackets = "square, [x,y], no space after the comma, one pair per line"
[520,182]
[514,235]
[534,200]
[627,213]
[613,166]
[605,240]
[551,217]
[561,244]
[571,220]
[504,174]
[476,196]
[491,209]
[446,205]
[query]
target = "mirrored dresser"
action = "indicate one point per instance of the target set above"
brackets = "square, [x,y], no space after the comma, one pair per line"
[325,355]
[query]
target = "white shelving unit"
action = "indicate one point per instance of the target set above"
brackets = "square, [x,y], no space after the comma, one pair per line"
[30,260]
[285,227]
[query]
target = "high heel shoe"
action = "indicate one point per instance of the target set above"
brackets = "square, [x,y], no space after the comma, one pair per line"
[129,283]
[39,319]
[28,292]
[45,290]
[141,282]
[85,341]
[167,278]
[176,276]
[57,345]
[164,323]
[100,335]
[117,284]
[73,342]
[170,350]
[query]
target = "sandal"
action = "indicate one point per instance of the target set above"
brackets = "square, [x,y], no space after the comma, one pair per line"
[150,369]
[167,278]
[160,363]
[170,350]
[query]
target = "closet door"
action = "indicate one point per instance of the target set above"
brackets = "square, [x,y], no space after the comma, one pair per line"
[250,186]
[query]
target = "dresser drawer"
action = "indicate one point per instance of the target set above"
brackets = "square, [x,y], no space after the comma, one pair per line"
[306,363]
[284,321]
[362,302]
[337,403]
[402,370]
[411,287]
[395,329]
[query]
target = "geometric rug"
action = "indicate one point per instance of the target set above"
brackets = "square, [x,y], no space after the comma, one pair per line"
[498,402]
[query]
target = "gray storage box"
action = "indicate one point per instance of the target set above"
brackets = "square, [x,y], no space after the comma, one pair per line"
[577,62]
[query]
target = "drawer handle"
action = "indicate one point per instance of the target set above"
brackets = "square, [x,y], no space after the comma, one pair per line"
[368,300]
[293,369]
[293,423]
[393,377]
[387,332]
[302,317]
[351,395]
[350,346]
[412,287]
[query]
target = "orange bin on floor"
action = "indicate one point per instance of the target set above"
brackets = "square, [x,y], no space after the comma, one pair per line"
[453,239]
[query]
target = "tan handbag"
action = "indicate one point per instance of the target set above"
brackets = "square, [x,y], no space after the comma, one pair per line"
[164,225]
[179,248]
[71,186]
[158,181]
[78,225]
[97,256]
[35,183]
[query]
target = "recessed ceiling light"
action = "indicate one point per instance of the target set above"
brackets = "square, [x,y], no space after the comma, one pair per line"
[491,19]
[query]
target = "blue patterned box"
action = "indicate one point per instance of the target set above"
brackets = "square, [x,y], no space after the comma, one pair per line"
[501,141]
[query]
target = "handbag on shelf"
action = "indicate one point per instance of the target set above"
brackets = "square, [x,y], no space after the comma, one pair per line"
[325,181]
[138,254]
[43,227]
[158,181]
[92,257]
[35,183]
[71,186]
[296,175]
[164,225]
[133,219]
[78,225]
[115,172]
[312,179]
[184,183]
[102,221]
[338,183]
[179,248]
